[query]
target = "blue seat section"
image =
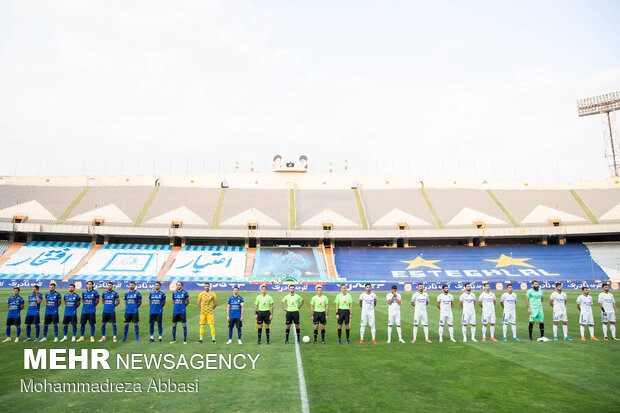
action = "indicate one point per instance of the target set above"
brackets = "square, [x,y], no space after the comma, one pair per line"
[517,263]
[208,263]
[125,262]
[44,260]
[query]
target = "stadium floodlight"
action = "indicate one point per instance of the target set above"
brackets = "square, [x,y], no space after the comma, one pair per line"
[606,105]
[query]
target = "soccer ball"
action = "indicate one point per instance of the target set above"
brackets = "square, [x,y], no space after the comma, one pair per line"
[306,339]
[543,339]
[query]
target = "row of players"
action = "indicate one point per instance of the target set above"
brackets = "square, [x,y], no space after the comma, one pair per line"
[292,303]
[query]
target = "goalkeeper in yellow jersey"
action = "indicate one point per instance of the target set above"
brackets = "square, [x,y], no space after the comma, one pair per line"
[207,302]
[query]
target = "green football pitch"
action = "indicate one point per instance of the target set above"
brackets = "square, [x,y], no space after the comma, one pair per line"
[506,376]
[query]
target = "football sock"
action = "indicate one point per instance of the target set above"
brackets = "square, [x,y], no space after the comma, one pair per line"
[582,329]
[492,328]
[473,332]
[591,331]
[555,330]
[565,329]
[212,328]
[28,331]
[530,329]
[398,330]
[451,330]
[347,333]
[612,327]
[339,334]
[389,332]
[426,332]
[174,333]
[605,330]
[514,330]
[505,329]
[137,330]
[184,332]
[202,330]
[541,326]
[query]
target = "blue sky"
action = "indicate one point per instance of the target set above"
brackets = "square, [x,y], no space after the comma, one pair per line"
[459,89]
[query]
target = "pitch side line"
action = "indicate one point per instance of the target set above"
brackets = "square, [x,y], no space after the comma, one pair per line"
[305,408]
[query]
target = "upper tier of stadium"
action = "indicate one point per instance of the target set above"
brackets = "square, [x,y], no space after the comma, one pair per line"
[293,205]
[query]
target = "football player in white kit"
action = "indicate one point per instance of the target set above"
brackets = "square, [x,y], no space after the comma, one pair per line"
[608,311]
[419,301]
[584,305]
[467,301]
[445,302]
[558,302]
[394,301]
[487,301]
[509,303]
[368,302]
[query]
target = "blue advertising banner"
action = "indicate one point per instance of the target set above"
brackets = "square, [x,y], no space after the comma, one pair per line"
[452,264]
[283,287]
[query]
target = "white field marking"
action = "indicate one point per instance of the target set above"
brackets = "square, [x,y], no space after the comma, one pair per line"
[305,408]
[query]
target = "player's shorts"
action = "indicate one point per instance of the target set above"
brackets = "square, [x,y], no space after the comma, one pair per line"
[14,321]
[69,319]
[488,318]
[263,317]
[394,319]
[586,318]
[50,319]
[207,319]
[155,318]
[420,318]
[445,319]
[368,318]
[319,317]
[132,318]
[235,322]
[510,317]
[108,318]
[292,317]
[609,318]
[90,318]
[33,319]
[468,317]
[537,315]
[560,316]
[179,318]
[343,317]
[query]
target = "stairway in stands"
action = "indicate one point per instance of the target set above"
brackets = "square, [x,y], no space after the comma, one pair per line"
[250,257]
[329,258]
[10,251]
[168,264]
[83,262]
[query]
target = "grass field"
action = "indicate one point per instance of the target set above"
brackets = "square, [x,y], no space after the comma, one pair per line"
[512,376]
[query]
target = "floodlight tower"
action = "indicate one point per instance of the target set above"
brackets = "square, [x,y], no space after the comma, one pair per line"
[606,105]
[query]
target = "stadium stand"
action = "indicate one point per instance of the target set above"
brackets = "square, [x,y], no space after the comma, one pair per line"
[386,208]
[4,245]
[338,207]
[607,256]
[297,264]
[194,207]
[125,262]
[44,260]
[266,207]
[536,207]
[208,263]
[604,203]
[41,204]
[516,263]
[118,205]
[465,207]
